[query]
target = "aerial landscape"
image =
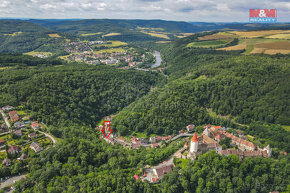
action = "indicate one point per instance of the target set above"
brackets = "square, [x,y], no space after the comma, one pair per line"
[144,96]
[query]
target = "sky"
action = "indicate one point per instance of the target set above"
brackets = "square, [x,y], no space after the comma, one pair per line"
[177,10]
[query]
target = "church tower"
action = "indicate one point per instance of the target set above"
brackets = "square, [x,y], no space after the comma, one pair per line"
[269,150]
[193,144]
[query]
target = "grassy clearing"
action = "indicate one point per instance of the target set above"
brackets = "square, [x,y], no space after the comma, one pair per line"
[207,44]
[54,35]
[111,34]
[92,34]
[111,50]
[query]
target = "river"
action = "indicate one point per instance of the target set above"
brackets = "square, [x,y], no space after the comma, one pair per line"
[158,59]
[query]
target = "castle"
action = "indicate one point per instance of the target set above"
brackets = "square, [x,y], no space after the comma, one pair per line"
[209,141]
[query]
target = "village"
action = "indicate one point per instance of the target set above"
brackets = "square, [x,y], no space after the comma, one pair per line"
[105,52]
[20,139]
[211,139]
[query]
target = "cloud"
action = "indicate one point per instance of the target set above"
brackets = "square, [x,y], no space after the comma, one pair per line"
[4,4]
[188,10]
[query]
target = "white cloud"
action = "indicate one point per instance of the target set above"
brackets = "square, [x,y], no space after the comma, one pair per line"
[4,4]
[188,10]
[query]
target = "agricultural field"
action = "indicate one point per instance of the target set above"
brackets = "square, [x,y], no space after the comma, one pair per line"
[258,42]
[111,44]
[91,34]
[279,36]
[111,34]
[14,34]
[256,34]
[111,50]
[208,44]
[54,35]
[159,35]
[218,36]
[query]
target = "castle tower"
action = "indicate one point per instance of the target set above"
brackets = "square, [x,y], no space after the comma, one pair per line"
[194,144]
[206,132]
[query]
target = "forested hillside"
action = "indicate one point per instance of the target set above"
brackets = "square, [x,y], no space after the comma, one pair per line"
[79,95]
[243,89]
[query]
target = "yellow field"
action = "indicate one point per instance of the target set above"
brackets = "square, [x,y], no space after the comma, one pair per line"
[111,50]
[236,47]
[158,35]
[111,34]
[6,67]
[91,34]
[113,44]
[280,36]
[273,51]
[54,35]
[255,34]
[14,34]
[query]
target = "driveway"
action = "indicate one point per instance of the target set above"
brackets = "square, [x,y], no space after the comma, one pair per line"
[47,135]
[5,119]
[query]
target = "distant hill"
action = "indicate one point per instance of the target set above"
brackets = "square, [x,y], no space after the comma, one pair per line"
[113,25]
[204,26]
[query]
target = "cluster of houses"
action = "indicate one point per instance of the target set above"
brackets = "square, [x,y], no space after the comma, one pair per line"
[19,125]
[135,142]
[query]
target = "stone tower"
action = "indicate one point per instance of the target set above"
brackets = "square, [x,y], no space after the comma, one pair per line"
[194,144]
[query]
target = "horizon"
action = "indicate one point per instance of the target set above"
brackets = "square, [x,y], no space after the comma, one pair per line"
[179,10]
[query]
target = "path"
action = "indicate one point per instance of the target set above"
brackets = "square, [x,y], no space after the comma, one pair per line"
[51,137]
[10,181]
[5,119]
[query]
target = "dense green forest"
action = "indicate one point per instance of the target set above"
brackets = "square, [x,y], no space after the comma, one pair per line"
[78,94]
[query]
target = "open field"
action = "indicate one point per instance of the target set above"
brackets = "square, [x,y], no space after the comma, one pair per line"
[111,50]
[111,34]
[33,53]
[112,44]
[159,35]
[207,44]
[236,47]
[280,36]
[14,34]
[255,34]
[92,34]
[54,35]
[282,47]
[218,36]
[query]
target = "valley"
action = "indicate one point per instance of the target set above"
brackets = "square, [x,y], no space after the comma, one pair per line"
[194,107]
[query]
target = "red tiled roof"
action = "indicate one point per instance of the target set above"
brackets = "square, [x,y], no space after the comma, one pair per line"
[136,177]
[13,148]
[2,141]
[11,113]
[194,138]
